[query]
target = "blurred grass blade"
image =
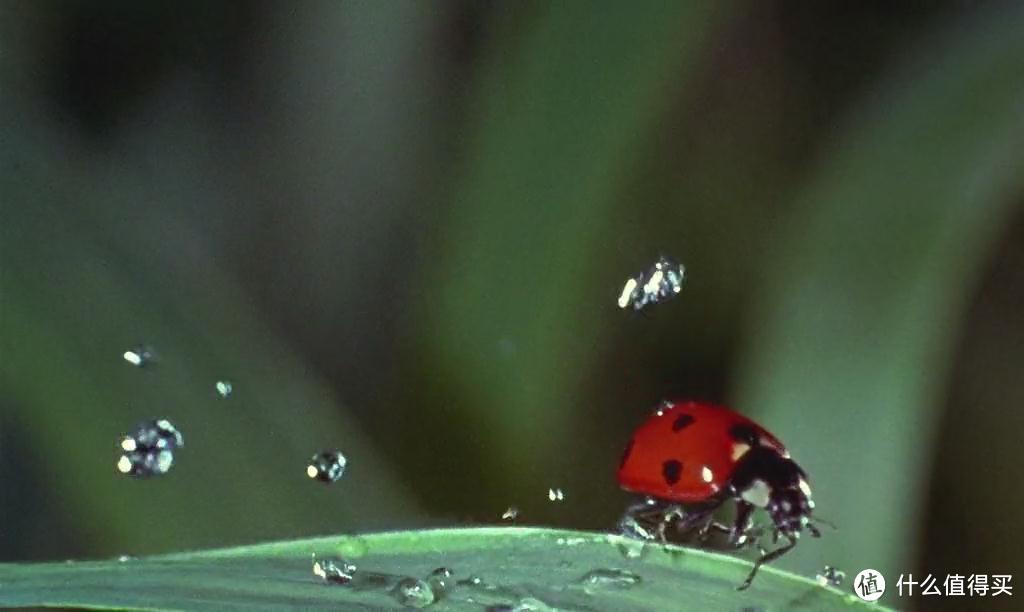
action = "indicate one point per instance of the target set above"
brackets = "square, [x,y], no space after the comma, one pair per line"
[851,342]
[563,569]
[566,104]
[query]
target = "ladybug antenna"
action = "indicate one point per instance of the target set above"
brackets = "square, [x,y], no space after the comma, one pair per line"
[818,519]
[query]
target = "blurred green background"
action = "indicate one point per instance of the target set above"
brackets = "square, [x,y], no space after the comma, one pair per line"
[400,228]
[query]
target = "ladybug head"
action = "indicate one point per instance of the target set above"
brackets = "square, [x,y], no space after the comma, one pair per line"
[771,480]
[790,508]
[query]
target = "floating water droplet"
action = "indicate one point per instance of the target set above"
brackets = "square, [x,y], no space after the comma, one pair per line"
[414,593]
[139,356]
[328,466]
[830,576]
[556,495]
[333,570]
[605,578]
[149,449]
[511,514]
[663,281]
[224,388]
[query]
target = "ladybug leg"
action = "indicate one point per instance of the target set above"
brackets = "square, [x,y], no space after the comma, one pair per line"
[741,531]
[711,525]
[698,515]
[767,558]
[672,514]
[646,520]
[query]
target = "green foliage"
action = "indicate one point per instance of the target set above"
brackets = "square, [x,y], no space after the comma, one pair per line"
[516,566]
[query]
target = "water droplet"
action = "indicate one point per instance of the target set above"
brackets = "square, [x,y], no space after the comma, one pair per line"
[474,581]
[663,281]
[333,570]
[440,580]
[525,604]
[631,548]
[139,356]
[575,541]
[631,527]
[510,514]
[830,576]
[328,466]
[604,578]
[556,495]
[125,558]
[414,593]
[224,388]
[149,449]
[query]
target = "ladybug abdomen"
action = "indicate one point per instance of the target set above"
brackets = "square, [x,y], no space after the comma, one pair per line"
[687,451]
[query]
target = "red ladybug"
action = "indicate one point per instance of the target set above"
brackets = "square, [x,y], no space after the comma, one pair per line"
[692,457]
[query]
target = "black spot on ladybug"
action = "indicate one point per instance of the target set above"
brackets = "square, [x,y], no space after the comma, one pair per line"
[672,470]
[625,454]
[683,420]
[744,433]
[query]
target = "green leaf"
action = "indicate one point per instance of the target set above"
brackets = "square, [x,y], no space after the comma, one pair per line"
[858,314]
[516,566]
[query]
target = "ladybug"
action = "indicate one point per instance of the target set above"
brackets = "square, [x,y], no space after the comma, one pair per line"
[690,457]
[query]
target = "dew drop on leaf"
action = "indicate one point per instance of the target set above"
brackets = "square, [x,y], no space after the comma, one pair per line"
[830,576]
[606,578]
[630,527]
[414,593]
[328,466]
[333,570]
[630,548]
[440,581]
[525,604]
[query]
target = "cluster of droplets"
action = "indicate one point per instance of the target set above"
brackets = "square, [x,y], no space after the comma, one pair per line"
[661,282]
[148,450]
[407,591]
